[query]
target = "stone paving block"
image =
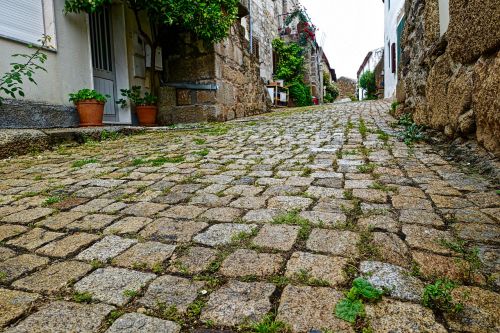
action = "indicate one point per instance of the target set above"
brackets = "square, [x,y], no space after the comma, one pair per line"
[282,190]
[412,216]
[136,322]
[28,215]
[173,198]
[392,249]
[306,309]
[183,212]
[333,205]
[260,215]
[278,237]
[433,266]
[480,312]
[61,220]
[442,201]
[67,246]
[60,316]
[128,225]
[317,266]
[478,232]
[322,192]
[146,209]
[484,199]
[396,281]
[324,218]
[91,192]
[244,190]
[54,277]
[403,202]
[34,238]
[10,230]
[223,234]
[421,237]
[106,249]
[336,242]
[170,291]
[370,195]
[251,263]
[168,230]
[238,302]
[287,203]
[195,260]
[22,264]
[112,285]
[379,222]
[92,222]
[6,253]
[93,206]
[146,255]
[249,203]
[14,303]
[358,184]
[223,214]
[472,216]
[395,316]
[210,200]
[113,208]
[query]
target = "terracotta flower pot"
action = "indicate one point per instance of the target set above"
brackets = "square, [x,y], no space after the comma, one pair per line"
[91,112]
[146,114]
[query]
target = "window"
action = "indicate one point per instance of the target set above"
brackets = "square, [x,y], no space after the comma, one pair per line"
[388,4]
[389,54]
[393,57]
[26,20]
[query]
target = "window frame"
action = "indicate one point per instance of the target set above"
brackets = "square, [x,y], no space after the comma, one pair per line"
[48,21]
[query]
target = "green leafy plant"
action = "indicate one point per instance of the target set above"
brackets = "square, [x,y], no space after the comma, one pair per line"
[301,94]
[82,297]
[80,163]
[438,296]
[351,307]
[11,82]
[87,94]
[134,95]
[269,324]
[367,82]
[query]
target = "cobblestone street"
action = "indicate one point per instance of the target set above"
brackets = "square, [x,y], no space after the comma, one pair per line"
[265,219]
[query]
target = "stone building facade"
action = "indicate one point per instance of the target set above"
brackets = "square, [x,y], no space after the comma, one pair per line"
[451,67]
[347,88]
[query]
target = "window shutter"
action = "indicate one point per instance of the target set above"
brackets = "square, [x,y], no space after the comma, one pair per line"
[22,20]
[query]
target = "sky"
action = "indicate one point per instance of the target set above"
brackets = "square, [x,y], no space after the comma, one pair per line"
[352,28]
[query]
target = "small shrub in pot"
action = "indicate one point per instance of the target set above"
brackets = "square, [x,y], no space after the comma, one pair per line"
[145,106]
[90,106]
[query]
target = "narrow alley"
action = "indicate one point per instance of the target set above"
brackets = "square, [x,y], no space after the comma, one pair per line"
[260,224]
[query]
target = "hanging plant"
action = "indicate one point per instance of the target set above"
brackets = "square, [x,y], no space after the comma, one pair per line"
[306,30]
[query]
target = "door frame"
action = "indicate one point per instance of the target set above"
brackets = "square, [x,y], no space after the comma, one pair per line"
[120,59]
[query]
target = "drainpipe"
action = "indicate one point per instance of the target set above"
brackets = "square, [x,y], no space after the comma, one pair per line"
[250,25]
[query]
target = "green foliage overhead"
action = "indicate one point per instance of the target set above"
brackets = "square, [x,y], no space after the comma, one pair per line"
[351,307]
[208,19]
[367,82]
[290,65]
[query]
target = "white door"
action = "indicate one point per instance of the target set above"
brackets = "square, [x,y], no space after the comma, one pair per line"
[103,61]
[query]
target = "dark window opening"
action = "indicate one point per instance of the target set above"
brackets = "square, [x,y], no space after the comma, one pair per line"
[393,57]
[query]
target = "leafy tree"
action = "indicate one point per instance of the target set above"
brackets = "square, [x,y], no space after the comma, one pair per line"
[210,20]
[367,82]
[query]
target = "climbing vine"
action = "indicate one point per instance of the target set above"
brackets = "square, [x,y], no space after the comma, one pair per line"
[290,68]
[306,29]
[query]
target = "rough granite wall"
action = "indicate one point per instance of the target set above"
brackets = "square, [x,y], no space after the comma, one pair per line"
[347,87]
[232,72]
[452,82]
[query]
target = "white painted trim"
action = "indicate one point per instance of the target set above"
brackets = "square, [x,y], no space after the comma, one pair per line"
[122,81]
[444,16]
[49,22]
[89,47]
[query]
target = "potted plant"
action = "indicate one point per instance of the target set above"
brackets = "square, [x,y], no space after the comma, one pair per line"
[90,106]
[145,107]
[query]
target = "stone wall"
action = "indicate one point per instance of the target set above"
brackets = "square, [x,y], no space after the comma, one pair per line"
[29,114]
[211,82]
[347,87]
[452,82]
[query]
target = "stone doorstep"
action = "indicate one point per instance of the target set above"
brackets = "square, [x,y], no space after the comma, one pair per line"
[21,141]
